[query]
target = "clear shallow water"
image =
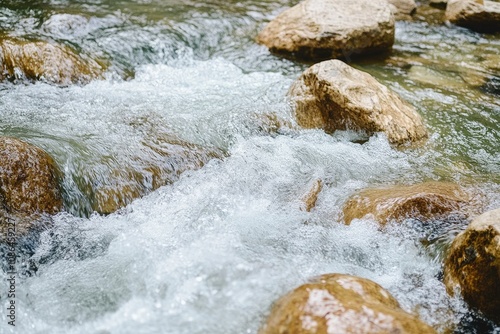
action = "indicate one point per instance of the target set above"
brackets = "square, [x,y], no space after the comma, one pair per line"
[213,250]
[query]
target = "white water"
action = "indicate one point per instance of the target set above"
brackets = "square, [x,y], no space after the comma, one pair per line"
[214,250]
[211,252]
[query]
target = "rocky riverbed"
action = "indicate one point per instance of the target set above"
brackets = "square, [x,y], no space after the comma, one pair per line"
[249,166]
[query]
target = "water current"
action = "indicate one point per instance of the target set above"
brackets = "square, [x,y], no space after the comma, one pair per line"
[211,251]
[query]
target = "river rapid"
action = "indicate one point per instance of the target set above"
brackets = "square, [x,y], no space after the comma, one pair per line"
[211,252]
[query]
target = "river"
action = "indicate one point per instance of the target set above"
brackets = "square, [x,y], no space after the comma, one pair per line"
[210,252]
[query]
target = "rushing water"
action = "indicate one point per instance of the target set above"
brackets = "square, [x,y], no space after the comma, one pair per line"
[210,252]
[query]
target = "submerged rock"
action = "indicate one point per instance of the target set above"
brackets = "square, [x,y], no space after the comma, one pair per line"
[164,159]
[332,95]
[424,201]
[473,264]
[448,77]
[44,61]
[341,304]
[322,29]
[29,183]
[478,15]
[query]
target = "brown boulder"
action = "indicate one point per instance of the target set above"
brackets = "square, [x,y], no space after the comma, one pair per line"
[29,184]
[322,29]
[473,264]
[21,59]
[424,201]
[341,304]
[335,96]
[479,15]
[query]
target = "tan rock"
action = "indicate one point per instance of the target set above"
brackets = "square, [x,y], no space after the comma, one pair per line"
[403,8]
[44,61]
[340,304]
[309,199]
[335,96]
[424,201]
[29,184]
[473,264]
[479,15]
[29,178]
[322,29]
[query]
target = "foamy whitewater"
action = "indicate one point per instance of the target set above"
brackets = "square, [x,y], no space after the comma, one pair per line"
[211,252]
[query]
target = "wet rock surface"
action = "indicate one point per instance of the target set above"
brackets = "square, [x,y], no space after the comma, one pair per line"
[335,96]
[322,29]
[338,303]
[473,264]
[425,201]
[44,61]
[404,9]
[478,15]
[168,158]
[29,183]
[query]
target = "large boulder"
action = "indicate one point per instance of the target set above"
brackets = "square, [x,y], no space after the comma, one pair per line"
[478,15]
[44,61]
[335,96]
[29,184]
[472,265]
[341,304]
[424,201]
[322,29]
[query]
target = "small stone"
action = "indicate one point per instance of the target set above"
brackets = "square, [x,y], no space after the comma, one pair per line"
[404,9]
[310,198]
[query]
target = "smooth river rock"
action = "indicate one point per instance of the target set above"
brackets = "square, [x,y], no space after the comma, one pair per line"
[478,15]
[403,8]
[29,178]
[332,95]
[472,265]
[26,60]
[424,201]
[322,29]
[341,304]
[29,184]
